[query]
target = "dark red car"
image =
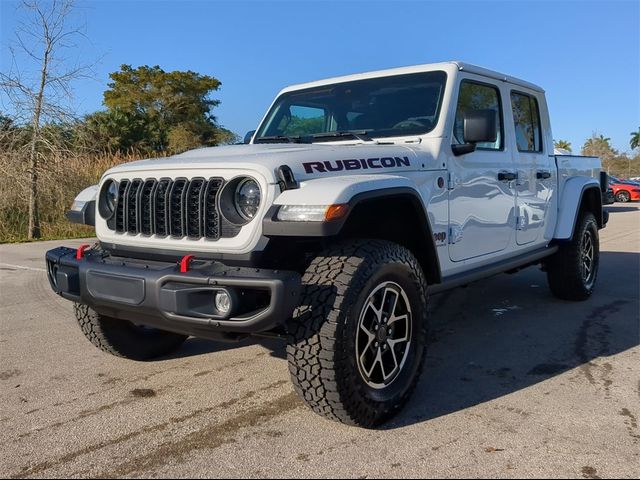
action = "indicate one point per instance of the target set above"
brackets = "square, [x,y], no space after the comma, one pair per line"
[624,190]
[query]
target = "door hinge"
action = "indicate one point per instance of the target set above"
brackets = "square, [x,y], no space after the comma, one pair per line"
[455,234]
[451,183]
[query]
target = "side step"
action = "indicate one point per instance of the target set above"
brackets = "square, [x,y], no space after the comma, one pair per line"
[530,258]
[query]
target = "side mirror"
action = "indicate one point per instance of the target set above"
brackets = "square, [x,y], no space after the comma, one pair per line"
[248,137]
[479,126]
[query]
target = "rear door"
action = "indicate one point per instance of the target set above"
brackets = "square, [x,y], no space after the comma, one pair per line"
[481,196]
[535,168]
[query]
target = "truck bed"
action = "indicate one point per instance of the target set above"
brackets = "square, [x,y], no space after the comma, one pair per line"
[577,165]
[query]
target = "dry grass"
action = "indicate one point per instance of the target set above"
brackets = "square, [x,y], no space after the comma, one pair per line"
[61,177]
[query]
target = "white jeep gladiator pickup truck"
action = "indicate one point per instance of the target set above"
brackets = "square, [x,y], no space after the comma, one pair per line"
[355,199]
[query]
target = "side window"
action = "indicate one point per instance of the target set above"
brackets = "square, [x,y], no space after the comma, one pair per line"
[477,96]
[303,120]
[526,118]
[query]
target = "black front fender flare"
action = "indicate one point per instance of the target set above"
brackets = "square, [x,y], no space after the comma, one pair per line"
[274,228]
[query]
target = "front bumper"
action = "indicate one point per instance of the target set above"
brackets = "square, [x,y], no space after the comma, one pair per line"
[157,294]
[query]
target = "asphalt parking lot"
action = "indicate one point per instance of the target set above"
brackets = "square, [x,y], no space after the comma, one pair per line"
[516,384]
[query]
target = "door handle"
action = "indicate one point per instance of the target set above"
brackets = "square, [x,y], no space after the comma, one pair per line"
[543,175]
[507,176]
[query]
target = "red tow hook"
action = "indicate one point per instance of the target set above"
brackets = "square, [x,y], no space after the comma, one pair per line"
[80,251]
[185,263]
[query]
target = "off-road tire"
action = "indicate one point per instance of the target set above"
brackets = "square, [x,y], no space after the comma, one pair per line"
[322,332]
[124,339]
[566,270]
[623,196]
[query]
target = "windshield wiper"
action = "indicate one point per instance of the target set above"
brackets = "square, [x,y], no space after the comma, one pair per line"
[278,139]
[362,135]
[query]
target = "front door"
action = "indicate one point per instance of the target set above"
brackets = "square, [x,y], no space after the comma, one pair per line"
[482,183]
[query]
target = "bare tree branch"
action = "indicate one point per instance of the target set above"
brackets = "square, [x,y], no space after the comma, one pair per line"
[43,96]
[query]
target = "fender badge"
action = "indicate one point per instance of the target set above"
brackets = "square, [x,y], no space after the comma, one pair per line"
[440,238]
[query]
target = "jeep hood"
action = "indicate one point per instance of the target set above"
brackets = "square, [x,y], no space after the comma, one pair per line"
[305,160]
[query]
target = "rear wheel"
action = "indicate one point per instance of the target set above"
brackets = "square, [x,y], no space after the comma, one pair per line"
[123,338]
[357,340]
[623,196]
[573,270]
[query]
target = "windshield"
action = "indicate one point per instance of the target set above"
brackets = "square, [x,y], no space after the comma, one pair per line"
[377,107]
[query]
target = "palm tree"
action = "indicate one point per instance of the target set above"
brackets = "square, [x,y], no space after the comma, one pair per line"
[597,145]
[635,139]
[597,140]
[562,144]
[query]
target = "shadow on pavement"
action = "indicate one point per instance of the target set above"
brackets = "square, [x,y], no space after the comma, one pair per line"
[199,346]
[618,209]
[505,334]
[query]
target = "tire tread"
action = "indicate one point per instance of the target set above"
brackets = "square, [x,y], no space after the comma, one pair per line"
[563,268]
[121,339]
[314,351]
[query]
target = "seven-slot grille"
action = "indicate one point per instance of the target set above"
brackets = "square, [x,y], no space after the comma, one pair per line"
[177,208]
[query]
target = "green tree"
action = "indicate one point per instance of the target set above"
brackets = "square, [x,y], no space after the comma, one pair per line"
[597,143]
[116,130]
[635,139]
[226,137]
[153,110]
[600,146]
[563,144]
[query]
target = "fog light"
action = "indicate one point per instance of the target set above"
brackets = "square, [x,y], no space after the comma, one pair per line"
[223,302]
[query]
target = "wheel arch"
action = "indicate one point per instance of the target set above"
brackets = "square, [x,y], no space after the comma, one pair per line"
[579,194]
[405,222]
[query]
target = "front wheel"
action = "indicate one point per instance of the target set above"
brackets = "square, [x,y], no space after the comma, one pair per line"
[573,270]
[357,341]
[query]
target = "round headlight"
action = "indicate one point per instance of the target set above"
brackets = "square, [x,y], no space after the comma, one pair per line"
[247,198]
[112,195]
[108,199]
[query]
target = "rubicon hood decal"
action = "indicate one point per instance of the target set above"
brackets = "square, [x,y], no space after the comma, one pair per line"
[356,164]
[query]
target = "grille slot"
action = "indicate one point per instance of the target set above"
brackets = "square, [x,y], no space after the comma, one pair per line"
[146,207]
[194,208]
[160,207]
[120,210]
[178,208]
[131,215]
[211,214]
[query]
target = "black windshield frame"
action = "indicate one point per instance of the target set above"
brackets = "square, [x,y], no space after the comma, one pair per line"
[396,105]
